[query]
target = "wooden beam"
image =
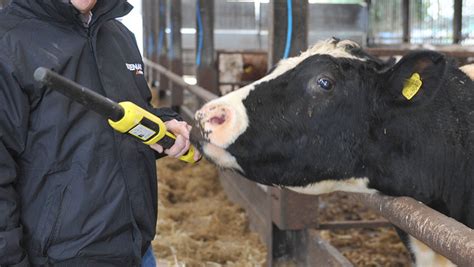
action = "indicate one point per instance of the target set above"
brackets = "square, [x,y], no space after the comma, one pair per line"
[305,248]
[302,247]
[206,68]
[293,211]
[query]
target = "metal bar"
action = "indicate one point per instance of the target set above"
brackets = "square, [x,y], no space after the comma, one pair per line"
[85,96]
[457,22]
[279,30]
[146,34]
[444,235]
[406,20]
[162,47]
[187,113]
[153,19]
[175,52]
[458,51]
[197,90]
[206,71]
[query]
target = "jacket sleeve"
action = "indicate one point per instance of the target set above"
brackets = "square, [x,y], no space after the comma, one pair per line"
[167,114]
[14,111]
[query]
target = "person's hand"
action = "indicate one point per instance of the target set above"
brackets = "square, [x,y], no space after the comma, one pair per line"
[181,130]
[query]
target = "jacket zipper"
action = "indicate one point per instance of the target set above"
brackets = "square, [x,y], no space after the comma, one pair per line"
[54,229]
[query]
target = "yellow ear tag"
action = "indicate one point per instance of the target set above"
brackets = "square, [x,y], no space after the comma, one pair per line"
[412,86]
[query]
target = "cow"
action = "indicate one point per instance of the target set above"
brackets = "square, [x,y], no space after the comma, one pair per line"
[333,119]
[240,68]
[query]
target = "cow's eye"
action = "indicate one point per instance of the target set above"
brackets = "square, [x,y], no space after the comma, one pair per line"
[325,84]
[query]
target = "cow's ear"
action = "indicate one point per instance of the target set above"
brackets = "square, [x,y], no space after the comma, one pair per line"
[415,78]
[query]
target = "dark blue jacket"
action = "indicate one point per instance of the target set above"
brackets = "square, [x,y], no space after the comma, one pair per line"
[72,190]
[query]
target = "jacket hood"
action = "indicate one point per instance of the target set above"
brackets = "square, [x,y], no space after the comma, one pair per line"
[63,11]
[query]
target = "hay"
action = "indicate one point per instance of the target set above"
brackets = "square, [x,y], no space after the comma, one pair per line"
[197,225]
[362,247]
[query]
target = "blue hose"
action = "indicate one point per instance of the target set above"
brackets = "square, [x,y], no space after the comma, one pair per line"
[150,45]
[289,29]
[199,34]
[160,42]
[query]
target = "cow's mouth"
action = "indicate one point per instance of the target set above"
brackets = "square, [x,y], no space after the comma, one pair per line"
[197,138]
[216,154]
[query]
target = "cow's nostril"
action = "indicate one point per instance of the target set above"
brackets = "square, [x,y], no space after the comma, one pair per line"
[217,119]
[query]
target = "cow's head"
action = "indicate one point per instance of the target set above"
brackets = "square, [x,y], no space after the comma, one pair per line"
[309,119]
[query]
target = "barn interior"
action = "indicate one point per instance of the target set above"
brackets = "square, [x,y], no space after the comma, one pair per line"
[197,50]
[224,45]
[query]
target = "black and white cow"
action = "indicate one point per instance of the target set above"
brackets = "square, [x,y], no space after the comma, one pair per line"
[331,119]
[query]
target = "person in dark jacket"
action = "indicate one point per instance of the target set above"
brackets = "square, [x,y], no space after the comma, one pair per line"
[73,192]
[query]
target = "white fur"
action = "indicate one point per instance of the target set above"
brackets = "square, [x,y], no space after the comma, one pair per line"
[425,256]
[358,185]
[221,157]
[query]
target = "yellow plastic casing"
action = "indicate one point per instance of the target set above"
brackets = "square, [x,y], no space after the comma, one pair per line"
[132,117]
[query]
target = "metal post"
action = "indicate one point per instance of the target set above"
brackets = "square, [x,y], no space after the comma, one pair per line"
[162,47]
[146,34]
[206,69]
[369,40]
[154,14]
[175,52]
[285,41]
[457,22]
[406,20]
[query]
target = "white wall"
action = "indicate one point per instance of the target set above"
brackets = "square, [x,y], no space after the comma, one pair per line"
[134,21]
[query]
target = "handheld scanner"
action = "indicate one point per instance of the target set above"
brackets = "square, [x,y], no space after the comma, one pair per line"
[125,117]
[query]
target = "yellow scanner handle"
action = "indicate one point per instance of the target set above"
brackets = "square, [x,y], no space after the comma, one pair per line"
[147,127]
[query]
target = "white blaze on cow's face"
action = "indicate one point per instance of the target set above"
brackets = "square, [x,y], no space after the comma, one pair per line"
[223,120]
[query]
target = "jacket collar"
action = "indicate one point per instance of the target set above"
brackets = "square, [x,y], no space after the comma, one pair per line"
[63,11]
